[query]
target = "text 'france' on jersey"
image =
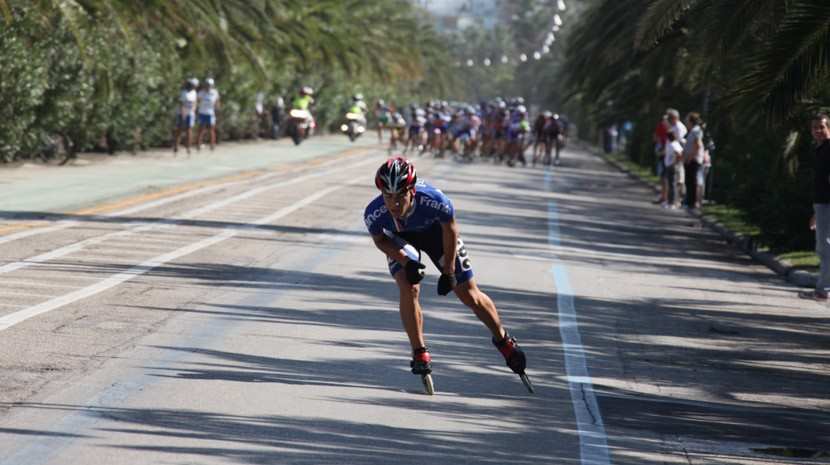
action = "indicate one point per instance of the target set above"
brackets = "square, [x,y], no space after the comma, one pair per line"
[430,206]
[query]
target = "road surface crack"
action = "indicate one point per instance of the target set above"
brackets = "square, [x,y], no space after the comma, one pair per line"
[587,405]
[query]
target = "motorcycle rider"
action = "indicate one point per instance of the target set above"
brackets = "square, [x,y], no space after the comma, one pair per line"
[302,121]
[359,107]
[355,117]
[304,99]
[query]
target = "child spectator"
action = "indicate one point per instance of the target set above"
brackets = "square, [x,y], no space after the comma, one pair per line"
[672,160]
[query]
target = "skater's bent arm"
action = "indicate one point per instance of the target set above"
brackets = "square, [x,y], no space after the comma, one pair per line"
[388,247]
[450,239]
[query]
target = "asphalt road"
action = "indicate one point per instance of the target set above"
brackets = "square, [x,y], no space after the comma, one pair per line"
[230,308]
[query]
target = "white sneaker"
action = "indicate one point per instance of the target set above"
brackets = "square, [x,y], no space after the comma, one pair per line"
[664,205]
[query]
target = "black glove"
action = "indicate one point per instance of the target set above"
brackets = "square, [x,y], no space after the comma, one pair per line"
[414,271]
[446,283]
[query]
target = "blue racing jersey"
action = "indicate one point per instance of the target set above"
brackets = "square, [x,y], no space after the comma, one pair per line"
[430,206]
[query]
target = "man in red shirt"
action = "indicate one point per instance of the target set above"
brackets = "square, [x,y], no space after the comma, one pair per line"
[660,141]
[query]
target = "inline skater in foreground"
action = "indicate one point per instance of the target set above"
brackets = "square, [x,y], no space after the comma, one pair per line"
[409,217]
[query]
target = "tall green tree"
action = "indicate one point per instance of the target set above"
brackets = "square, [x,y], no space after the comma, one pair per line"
[91,70]
[754,67]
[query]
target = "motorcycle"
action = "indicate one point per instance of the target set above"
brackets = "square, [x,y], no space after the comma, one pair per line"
[354,126]
[300,124]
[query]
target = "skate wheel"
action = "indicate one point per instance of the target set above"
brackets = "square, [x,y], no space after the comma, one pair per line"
[527,383]
[429,387]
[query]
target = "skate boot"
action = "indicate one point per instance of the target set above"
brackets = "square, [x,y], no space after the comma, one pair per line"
[421,364]
[515,357]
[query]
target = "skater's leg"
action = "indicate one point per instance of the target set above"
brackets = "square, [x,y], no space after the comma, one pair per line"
[410,310]
[485,310]
[481,304]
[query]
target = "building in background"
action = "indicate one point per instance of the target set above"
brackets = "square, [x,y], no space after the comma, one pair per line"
[455,15]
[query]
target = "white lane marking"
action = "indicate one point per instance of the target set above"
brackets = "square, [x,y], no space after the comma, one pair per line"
[70,223]
[144,206]
[31,283]
[12,319]
[329,238]
[5,293]
[33,232]
[593,441]
[71,248]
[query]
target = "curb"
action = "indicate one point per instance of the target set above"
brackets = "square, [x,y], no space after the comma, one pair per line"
[743,243]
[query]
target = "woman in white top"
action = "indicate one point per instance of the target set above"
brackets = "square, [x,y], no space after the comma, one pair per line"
[673,159]
[693,158]
[186,115]
[208,104]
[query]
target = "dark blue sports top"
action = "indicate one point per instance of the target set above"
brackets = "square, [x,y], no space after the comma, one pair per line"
[431,206]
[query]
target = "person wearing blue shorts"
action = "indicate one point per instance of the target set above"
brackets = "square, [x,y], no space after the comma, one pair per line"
[208,104]
[411,218]
[186,116]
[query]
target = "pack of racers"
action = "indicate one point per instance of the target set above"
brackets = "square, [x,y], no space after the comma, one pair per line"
[500,130]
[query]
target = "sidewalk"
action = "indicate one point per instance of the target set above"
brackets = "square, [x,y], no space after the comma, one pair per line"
[94,178]
[744,243]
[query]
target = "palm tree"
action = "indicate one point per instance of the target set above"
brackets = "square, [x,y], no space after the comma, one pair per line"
[781,49]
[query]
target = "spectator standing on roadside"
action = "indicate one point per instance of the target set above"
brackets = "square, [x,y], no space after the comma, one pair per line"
[675,126]
[709,149]
[208,104]
[186,115]
[693,161]
[820,221]
[672,158]
[261,118]
[680,131]
[660,140]
[277,113]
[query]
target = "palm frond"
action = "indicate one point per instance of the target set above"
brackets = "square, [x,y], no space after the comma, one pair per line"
[792,62]
[659,19]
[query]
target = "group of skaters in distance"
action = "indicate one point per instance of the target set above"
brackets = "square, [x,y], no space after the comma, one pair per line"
[683,160]
[499,130]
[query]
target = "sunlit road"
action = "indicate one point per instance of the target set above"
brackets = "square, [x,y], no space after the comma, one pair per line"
[248,318]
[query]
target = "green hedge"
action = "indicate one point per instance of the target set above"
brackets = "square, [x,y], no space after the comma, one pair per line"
[78,78]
